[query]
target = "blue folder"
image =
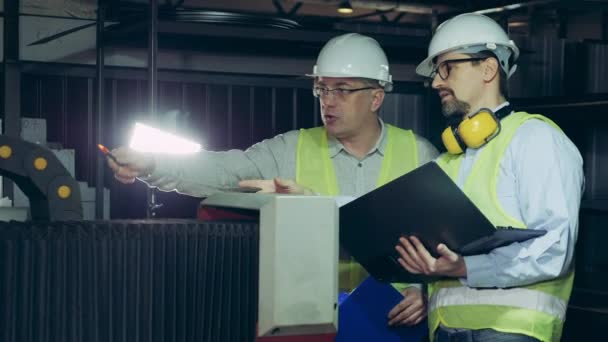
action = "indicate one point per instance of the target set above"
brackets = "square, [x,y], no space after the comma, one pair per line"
[362,315]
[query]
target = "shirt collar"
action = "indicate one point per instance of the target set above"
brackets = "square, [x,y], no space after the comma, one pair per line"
[502,105]
[335,146]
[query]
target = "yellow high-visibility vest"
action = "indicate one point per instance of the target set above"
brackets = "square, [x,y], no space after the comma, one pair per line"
[315,170]
[536,310]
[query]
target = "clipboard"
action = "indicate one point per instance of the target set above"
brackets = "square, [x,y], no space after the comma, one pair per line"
[425,203]
[363,315]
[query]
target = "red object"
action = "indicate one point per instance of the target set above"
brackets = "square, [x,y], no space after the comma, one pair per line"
[213,213]
[108,154]
[103,149]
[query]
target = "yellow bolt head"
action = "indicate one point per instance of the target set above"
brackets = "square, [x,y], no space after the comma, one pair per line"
[5,151]
[40,163]
[64,191]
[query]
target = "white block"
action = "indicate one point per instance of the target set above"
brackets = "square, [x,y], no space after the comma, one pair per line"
[19,198]
[14,214]
[298,266]
[67,158]
[298,272]
[87,195]
[33,130]
[6,202]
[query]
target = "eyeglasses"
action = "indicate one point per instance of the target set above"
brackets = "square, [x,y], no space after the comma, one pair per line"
[337,92]
[444,68]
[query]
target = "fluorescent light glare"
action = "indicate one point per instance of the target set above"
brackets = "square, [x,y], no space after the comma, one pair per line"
[149,139]
[345,7]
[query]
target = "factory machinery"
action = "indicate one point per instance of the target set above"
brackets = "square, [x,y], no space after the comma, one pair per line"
[265,276]
[263,272]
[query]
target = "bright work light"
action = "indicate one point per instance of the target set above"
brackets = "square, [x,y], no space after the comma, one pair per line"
[150,139]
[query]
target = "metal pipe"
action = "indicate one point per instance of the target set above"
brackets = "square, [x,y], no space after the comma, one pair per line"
[152,88]
[416,7]
[497,9]
[445,10]
[515,6]
[152,57]
[11,123]
[11,63]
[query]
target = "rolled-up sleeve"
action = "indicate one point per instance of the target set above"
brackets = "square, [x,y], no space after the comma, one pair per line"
[208,172]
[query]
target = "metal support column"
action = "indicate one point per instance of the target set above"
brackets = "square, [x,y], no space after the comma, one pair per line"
[152,57]
[100,61]
[605,25]
[152,89]
[11,119]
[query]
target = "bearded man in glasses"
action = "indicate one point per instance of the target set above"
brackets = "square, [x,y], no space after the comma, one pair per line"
[351,154]
[522,173]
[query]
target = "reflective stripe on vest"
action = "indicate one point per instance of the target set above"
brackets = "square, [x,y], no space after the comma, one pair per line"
[517,297]
[536,310]
[315,170]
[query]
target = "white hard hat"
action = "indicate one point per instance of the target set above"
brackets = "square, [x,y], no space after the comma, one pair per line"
[471,33]
[353,55]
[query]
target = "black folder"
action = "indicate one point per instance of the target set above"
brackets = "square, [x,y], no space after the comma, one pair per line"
[424,203]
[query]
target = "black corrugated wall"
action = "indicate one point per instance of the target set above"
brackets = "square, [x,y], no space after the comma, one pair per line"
[220,114]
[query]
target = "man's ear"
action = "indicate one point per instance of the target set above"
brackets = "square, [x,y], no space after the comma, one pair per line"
[378,98]
[490,70]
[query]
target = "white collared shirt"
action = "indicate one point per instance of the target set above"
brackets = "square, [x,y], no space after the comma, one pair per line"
[540,183]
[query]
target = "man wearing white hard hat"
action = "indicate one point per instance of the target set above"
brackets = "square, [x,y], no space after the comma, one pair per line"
[522,172]
[351,154]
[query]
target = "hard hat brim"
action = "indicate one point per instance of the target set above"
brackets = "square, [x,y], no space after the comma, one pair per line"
[386,85]
[425,68]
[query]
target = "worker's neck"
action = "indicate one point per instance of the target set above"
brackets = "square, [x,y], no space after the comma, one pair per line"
[490,101]
[361,143]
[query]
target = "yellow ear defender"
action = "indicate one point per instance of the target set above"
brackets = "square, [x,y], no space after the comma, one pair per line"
[474,131]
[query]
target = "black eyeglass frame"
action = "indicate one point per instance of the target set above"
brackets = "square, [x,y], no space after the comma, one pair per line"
[323,91]
[450,61]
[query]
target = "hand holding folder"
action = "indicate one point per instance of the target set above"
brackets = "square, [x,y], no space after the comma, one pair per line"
[363,316]
[416,259]
[424,203]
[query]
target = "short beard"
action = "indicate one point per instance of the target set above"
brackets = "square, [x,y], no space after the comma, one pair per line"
[455,107]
